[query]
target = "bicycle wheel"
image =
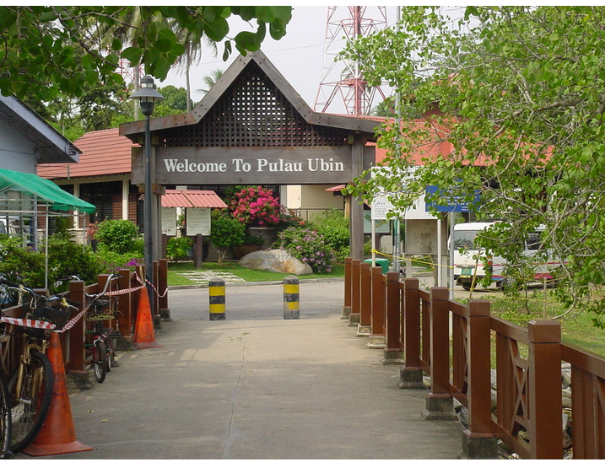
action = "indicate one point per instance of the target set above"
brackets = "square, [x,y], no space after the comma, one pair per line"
[5,420]
[111,355]
[30,405]
[99,360]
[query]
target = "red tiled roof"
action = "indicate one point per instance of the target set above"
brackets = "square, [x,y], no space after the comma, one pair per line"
[192,198]
[103,153]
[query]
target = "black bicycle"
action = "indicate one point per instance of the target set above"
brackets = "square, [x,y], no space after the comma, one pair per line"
[31,382]
[100,338]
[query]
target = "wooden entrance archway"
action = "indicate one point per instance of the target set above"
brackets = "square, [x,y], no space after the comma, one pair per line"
[253,128]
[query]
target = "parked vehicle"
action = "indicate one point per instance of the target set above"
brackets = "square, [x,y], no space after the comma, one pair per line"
[471,264]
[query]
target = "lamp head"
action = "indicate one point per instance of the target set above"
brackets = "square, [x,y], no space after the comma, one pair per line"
[147,95]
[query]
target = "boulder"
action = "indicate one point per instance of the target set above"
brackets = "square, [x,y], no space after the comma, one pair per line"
[275,260]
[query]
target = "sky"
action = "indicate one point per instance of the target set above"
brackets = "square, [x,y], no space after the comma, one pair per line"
[299,55]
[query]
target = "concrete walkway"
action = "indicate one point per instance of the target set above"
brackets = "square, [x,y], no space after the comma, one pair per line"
[256,386]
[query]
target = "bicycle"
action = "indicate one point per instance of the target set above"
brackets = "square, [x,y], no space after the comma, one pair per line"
[30,384]
[103,355]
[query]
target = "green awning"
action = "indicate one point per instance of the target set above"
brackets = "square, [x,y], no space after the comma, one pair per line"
[44,190]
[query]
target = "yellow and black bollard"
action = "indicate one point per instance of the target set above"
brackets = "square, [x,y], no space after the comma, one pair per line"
[291,298]
[216,290]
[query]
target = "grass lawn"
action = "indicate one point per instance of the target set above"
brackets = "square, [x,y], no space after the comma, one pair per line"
[576,329]
[175,279]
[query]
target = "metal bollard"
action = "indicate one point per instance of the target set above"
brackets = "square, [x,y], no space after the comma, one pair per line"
[291,298]
[216,290]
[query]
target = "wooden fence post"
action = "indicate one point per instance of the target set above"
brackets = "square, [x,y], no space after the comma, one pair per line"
[76,367]
[365,310]
[478,441]
[157,323]
[346,309]
[378,310]
[354,316]
[439,402]
[164,311]
[392,350]
[411,376]
[125,315]
[545,405]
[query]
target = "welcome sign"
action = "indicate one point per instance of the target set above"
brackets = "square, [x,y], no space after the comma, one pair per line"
[251,165]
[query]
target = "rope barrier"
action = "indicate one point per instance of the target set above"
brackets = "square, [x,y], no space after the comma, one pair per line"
[41,324]
[432,264]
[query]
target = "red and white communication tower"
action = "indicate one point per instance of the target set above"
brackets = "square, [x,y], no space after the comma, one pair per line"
[343,78]
[129,73]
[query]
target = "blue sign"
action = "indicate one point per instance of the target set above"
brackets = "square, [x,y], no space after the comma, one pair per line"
[453,204]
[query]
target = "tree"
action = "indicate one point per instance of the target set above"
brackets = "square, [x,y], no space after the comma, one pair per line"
[211,80]
[520,97]
[175,101]
[41,45]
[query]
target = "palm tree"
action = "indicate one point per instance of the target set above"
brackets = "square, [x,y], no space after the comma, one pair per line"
[211,80]
[193,44]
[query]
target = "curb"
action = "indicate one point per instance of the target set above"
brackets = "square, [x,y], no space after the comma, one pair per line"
[256,283]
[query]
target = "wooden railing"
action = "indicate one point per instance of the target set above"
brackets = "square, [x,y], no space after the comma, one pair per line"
[73,342]
[453,344]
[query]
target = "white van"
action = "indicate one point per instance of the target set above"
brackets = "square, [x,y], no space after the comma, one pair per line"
[470,264]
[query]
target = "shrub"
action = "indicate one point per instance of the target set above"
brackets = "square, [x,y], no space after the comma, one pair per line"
[113,262]
[335,229]
[177,248]
[308,246]
[19,264]
[225,232]
[66,258]
[256,206]
[119,236]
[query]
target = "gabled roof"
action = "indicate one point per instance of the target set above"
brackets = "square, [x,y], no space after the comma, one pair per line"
[103,153]
[51,146]
[192,199]
[363,125]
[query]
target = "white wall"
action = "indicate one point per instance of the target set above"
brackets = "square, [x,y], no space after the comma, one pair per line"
[16,153]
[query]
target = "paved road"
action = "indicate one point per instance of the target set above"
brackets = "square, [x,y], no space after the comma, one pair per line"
[256,386]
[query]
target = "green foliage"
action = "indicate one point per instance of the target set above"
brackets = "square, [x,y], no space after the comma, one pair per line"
[519,92]
[113,262]
[118,236]
[178,247]
[334,227]
[19,264]
[66,258]
[225,232]
[52,49]
[308,246]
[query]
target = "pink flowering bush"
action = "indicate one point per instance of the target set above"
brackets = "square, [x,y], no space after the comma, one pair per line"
[308,246]
[256,206]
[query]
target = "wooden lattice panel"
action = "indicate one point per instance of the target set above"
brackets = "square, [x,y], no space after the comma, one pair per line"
[252,112]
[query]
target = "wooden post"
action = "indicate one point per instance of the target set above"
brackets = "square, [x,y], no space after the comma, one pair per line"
[478,441]
[439,402]
[164,311]
[365,311]
[346,309]
[76,367]
[198,251]
[125,317]
[411,376]
[355,292]
[156,299]
[544,364]
[378,309]
[392,350]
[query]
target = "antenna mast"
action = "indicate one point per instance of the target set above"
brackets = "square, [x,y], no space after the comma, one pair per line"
[348,83]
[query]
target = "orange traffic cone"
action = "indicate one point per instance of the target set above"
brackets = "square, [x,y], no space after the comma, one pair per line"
[144,336]
[58,435]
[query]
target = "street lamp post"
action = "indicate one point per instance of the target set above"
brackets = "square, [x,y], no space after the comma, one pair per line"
[147,96]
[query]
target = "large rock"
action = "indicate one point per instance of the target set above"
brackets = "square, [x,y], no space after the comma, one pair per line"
[275,260]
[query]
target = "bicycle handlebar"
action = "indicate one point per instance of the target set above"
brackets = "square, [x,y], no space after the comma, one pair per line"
[64,302]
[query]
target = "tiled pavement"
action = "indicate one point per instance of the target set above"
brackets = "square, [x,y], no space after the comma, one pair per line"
[203,277]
